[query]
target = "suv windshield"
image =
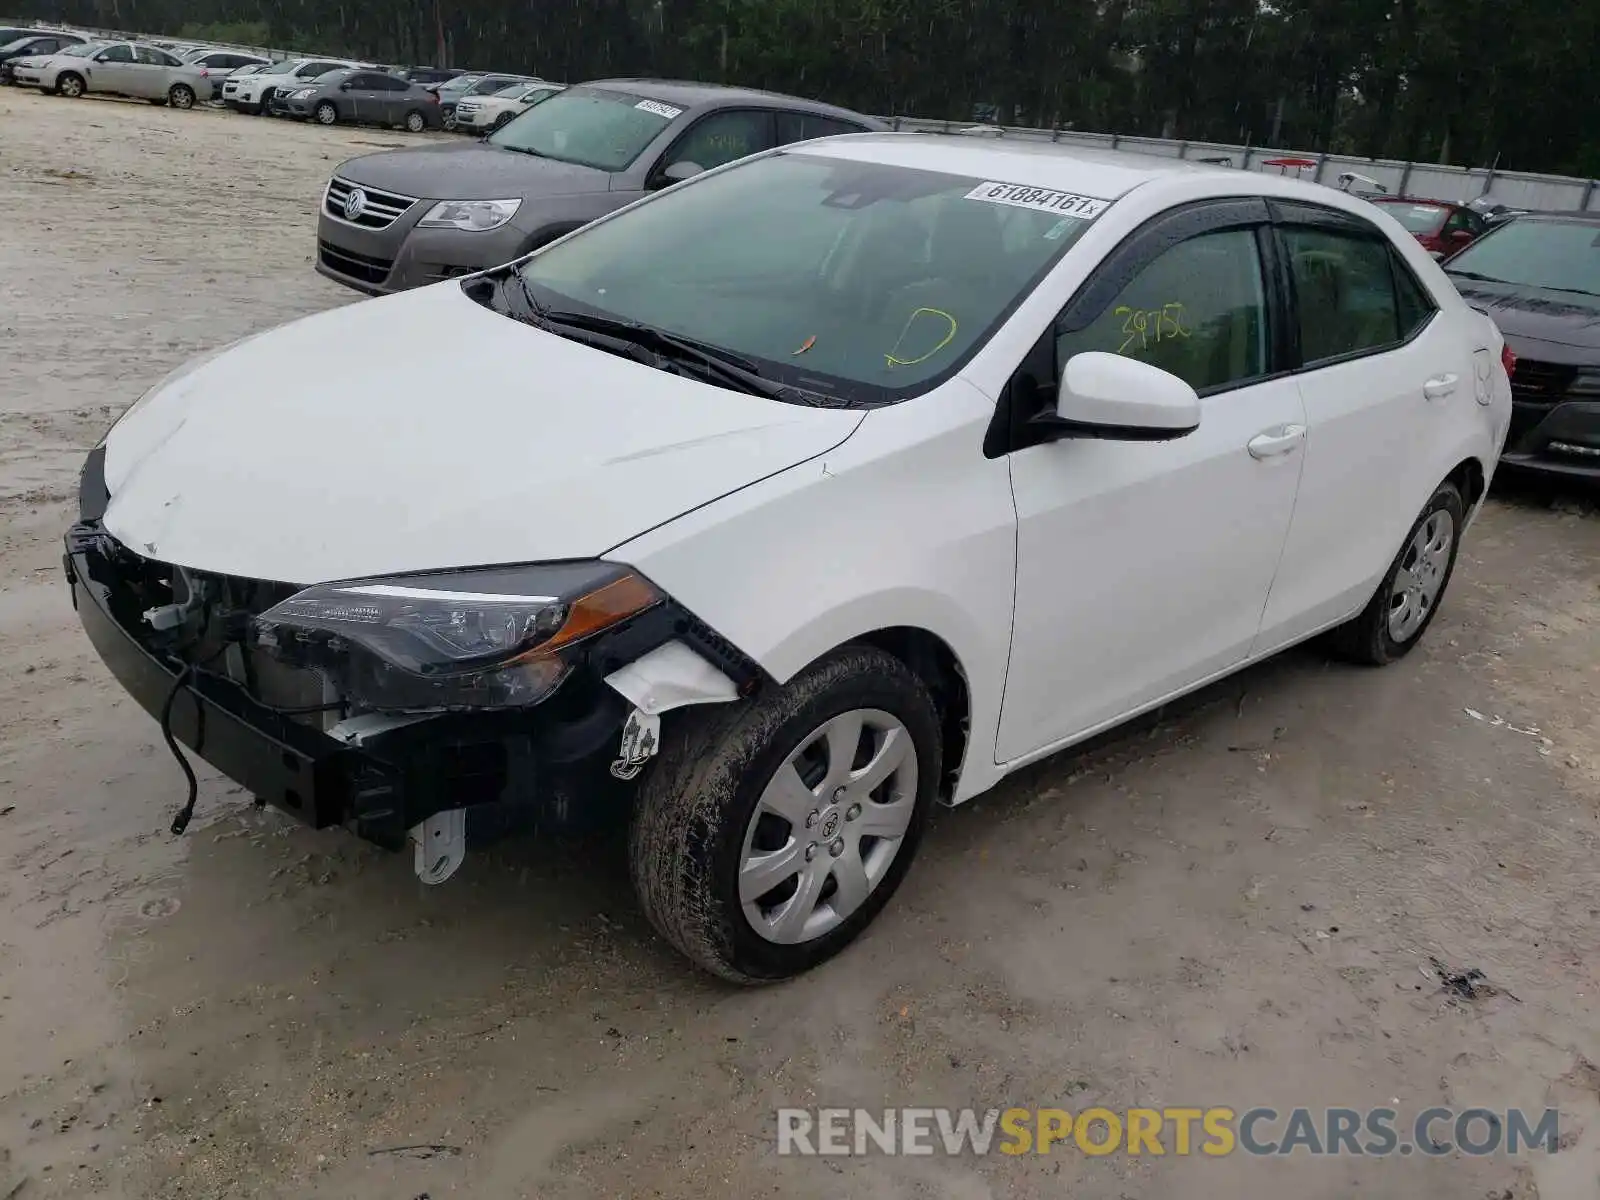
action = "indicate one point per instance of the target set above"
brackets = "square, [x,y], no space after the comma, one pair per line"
[853,279]
[607,130]
[1564,255]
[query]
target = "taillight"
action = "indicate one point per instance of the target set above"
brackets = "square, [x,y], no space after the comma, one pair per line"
[1508,360]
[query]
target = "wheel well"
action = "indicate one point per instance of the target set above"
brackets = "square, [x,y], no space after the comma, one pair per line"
[940,671]
[1468,476]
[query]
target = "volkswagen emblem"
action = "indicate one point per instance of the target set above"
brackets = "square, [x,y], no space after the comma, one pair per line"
[355,204]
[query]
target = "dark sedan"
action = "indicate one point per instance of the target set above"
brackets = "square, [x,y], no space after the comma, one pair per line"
[405,218]
[30,45]
[365,98]
[1538,276]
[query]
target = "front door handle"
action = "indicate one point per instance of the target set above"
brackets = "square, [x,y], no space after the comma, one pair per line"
[1440,387]
[1279,440]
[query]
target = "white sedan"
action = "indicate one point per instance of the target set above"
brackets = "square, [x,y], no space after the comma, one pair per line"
[777,508]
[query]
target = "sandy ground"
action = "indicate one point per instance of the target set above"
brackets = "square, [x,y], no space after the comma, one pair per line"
[1236,905]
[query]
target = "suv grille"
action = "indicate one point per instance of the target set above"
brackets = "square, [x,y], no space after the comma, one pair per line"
[381,209]
[357,266]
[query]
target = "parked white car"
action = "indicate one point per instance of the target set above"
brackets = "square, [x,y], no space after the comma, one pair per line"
[134,69]
[217,65]
[253,93]
[484,114]
[789,502]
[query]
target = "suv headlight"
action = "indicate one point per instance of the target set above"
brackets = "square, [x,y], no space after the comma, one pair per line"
[1586,383]
[495,637]
[474,216]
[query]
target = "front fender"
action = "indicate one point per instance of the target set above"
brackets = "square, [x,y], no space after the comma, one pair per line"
[905,524]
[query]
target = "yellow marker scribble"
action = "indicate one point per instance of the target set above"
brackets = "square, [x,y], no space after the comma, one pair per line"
[890,358]
[1137,325]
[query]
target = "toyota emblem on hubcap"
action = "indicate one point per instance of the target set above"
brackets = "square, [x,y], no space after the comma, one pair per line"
[355,204]
[830,826]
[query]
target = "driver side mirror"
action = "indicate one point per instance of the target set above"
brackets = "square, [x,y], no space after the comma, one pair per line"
[1101,395]
[104,56]
[679,171]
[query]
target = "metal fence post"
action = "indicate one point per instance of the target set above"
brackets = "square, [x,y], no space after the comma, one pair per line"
[1322,161]
[1405,178]
[1588,194]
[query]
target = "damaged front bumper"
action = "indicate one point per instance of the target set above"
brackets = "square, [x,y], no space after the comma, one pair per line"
[547,768]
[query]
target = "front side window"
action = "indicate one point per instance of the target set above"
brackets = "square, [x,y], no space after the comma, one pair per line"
[1344,292]
[861,280]
[721,138]
[1197,311]
[589,127]
[118,54]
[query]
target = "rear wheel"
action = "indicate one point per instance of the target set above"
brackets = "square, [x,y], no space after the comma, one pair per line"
[181,96]
[415,122]
[1408,598]
[768,834]
[326,113]
[70,85]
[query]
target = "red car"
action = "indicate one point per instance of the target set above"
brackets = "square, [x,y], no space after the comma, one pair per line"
[1441,226]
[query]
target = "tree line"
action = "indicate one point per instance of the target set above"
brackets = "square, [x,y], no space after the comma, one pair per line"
[1460,81]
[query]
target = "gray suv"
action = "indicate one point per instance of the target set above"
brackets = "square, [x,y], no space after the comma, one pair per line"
[406,218]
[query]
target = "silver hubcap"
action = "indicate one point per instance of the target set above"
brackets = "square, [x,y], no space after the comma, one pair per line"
[72,87]
[828,825]
[181,99]
[415,123]
[1421,576]
[325,115]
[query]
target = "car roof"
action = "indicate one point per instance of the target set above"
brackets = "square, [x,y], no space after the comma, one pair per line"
[1105,174]
[686,94]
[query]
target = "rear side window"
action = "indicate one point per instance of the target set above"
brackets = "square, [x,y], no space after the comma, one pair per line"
[1198,311]
[802,127]
[1344,291]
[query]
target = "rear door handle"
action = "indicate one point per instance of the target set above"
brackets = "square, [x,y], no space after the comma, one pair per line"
[1440,387]
[1277,441]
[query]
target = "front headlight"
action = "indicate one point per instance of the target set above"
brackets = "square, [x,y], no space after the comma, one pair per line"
[303,93]
[496,637]
[474,216]
[1586,383]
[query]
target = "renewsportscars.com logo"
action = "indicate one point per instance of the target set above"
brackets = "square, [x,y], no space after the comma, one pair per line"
[1211,1132]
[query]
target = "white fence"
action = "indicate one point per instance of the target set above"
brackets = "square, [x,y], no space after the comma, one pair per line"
[1516,189]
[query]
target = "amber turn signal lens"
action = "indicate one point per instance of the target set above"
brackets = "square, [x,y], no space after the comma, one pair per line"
[600,609]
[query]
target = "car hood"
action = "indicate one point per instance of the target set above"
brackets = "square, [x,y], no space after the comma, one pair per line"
[471,171]
[1539,323]
[430,432]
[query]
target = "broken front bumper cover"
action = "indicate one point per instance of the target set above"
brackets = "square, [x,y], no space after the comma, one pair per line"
[545,768]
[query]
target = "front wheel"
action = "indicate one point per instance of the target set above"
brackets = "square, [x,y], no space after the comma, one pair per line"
[326,113]
[70,86]
[768,834]
[181,96]
[415,122]
[501,122]
[1408,598]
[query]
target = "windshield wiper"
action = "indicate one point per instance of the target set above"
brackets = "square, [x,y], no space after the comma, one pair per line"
[521,305]
[1550,287]
[663,347]
[528,150]
[1476,276]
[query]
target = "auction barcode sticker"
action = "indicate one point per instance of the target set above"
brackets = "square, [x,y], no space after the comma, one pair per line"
[660,110]
[1068,204]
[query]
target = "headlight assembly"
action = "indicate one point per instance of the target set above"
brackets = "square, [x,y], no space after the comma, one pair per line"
[499,637]
[303,93]
[473,216]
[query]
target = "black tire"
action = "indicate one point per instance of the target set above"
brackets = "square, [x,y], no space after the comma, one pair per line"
[181,97]
[416,121]
[70,85]
[1367,638]
[690,817]
[325,113]
[266,100]
[501,122]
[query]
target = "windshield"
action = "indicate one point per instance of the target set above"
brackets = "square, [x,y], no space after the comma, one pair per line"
[82,50]
[853,279]
[457,85]
[1417,218]
[1544,254]
[607,130]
